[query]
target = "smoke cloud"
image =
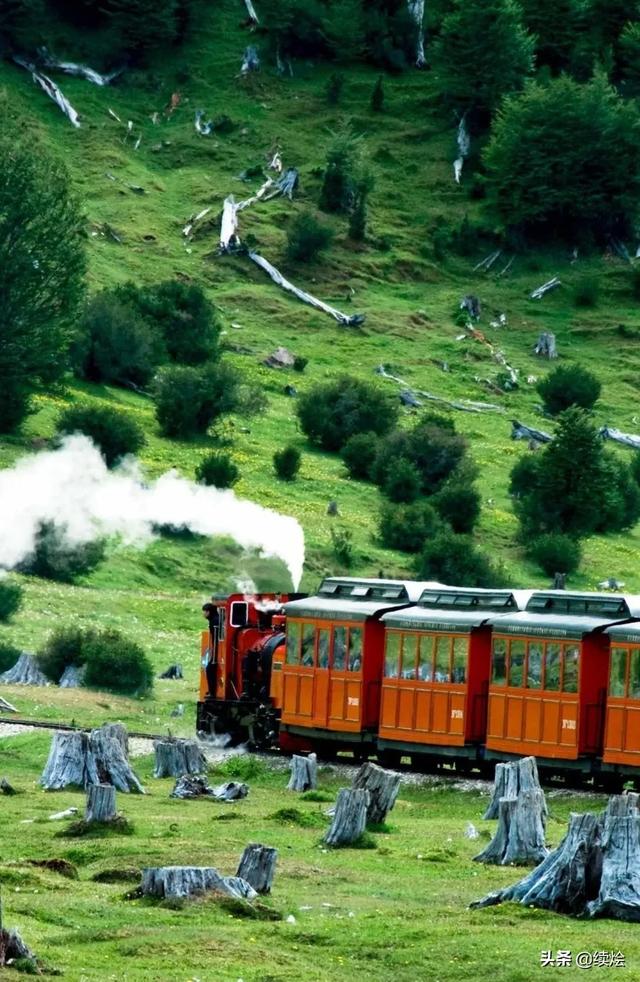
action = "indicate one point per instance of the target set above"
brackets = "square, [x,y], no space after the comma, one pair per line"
[72,488]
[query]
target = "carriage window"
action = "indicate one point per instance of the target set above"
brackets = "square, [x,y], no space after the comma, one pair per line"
[323,648]
[409,655]
[570,675]
[355,649]
[442,672]
[293,643]
[392,655]
[552,667]
[618,672]
[516,663]
[308,641]
[425,658]
[634,674]
[499,662]
[460,649]
[534,665]
[339,648]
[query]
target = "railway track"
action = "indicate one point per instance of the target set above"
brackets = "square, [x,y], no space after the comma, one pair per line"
[49,725]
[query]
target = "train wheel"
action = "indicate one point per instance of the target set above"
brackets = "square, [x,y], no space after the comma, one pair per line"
[389,758]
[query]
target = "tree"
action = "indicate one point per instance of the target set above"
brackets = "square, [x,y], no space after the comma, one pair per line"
[455,560]
[359,454]
[483,52]
[10,598]
[144,26]
[568,385]
[115,433]
[184,317]
[286,463]
[306,237]
[432,446]
[555,553]
[402,482]
[217,470]
[407,527]
[20,23]
[343,171]
[555,25]
[42,259]
[458,501]
[189,399]
[571,186]
[331,412]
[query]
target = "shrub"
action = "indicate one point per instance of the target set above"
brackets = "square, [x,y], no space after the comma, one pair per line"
[189,399]
[455,560]
[307,237]
[402,482]
[358,216]
[568,385]
[332,412]
[217,470]
[432,446]
[407,527]
[377,96]
[10,598]
[555,553]
[114,432]
[586,292]
[300,363]
[9,655]
[65,646]
[458,503]
[359,454]
[185,318]
[55,558]
[333,91]
[286,463]
[117,664]
[342,171]
[342,543]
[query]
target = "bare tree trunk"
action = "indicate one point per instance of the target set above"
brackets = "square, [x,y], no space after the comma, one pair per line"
[383,787]
[101,803]
[519,837]
[540,291]
[626,439]
[177,757]
[257,866]
[510,779]
[521,432]
[167,882]
[416,9]
[304,773]
[350,817]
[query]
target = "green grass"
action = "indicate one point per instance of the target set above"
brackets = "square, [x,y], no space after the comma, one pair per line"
[398,911]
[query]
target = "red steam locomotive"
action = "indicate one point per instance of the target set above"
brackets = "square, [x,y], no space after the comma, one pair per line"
[435,673]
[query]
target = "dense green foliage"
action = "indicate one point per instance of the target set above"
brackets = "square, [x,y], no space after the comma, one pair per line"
[218,470]
[9,655]
[456,560]
[11,595]
[189,399]
[117,664]
[63,647]
[306,237]
[42,260]
[408,527]
[555,25]
[54,558]
[184,317]
[114,433]
[359,454]
[555,553]
[332,412]
[432,446]
[458,501]
[286,463]
[568,385]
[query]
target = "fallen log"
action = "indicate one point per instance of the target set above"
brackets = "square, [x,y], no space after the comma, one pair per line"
[382,787]
[349,818]
[485,264]
[172,672]
[101,803]
[540,291]
[175,757]
[79,71]
[353,320]
[191,786]
[521,432]
[545,346]
[6,707]
[26,671]
[467,406]
[175,882]
[51,90]
[231,791]
[202,127]
[257,867]
[416,9]
[81,759]
[304,773]
[195,222]
[512,778]
[519,837]
[67,813]
[626,439]
[251,10]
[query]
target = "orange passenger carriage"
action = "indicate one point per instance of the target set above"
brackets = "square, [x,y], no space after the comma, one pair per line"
[333,667]
[549,677]
[436,674]
[621,753]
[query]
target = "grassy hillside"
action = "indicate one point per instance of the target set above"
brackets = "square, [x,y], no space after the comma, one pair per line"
[408,289]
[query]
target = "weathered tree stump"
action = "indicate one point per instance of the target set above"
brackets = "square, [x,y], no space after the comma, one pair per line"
[172,672]
[177,757]
[72,677]
[519,837]
[12,947]
[545,346]
[619,894]
[304,773]
[349,818]
[512,778]
[81,759]
[26,671]
[101,803]
[257,866]
[7,788]
[231,791]
[383,787]
[567,879]
[191,786]
[174,882]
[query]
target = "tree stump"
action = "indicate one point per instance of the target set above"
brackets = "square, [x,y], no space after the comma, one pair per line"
[81,759]
[12,947]
[172,672]
[349,818]
[7,788]
[567,879]
[304,773]
[383,787]
[510,779]
[101,803]
[257,866]
[177,757]
[174,882]
[191,786]
[72,677]
[26,671]
[231,791]
[519,837]
[545,346]
[619,894]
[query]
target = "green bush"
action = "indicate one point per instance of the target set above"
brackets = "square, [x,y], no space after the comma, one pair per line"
[342,543]
[189,399]
[53,558]
[555,553]
[185,318]
[408,527]
[286,463]
[456,561]
[10,598]
[9,655]
[458,503]
[306,237]
[402,482]
[432,446]
[359,454]
[332,412]
[342,171]
[115,433]
[568,385]
[117,664]
[217,470]
[63,647]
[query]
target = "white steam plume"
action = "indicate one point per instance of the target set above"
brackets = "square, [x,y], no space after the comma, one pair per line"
[72,488]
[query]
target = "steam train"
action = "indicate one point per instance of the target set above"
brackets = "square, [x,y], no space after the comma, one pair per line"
[435,673]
